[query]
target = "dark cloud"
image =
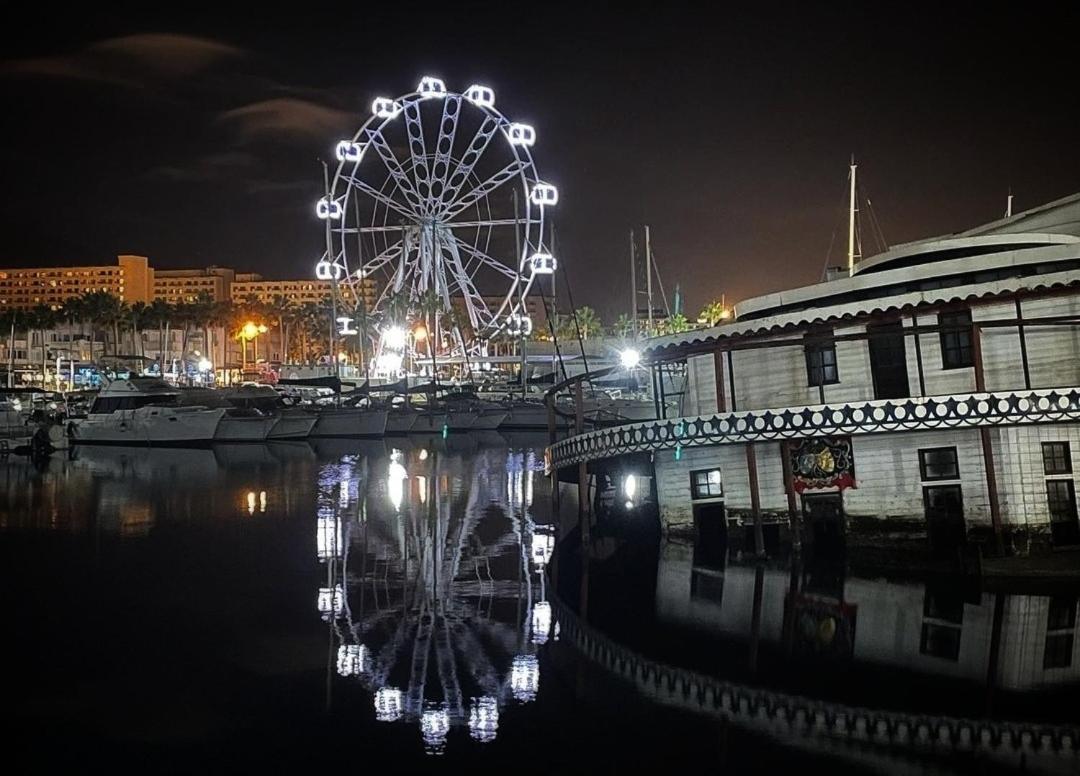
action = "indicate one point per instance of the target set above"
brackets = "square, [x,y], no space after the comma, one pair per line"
[286,118]
[130,61]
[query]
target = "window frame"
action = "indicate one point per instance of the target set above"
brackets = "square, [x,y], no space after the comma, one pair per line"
[1067,484]
[1067,458]
[815,346]
[956,348]
[695,494]
[923,473]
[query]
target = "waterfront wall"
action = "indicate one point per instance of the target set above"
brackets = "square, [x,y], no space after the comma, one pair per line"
[887,499]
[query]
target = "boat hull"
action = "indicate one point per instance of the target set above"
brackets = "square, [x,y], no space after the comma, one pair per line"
[334,422]
[293,425]
[400,421]
[149,426]
[244,429]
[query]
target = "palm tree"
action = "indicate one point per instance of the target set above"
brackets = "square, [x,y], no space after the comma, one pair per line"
[43,318]
[9,321]
[623,326]
[281,308]
[714,312]
[676,324]
[589,322]
[158,315]
[139,312]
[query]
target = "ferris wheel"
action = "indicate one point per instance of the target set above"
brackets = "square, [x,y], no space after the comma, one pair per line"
[437,200]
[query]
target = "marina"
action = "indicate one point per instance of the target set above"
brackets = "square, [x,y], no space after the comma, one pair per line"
[625,391]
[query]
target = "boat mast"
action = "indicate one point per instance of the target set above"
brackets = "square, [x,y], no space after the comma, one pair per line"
[633,285]
[648,281]
[333,277]
[853,208]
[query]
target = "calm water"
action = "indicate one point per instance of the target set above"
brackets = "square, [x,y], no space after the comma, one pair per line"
[359,605]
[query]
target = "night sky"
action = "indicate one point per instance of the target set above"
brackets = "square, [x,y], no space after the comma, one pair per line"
[195,139]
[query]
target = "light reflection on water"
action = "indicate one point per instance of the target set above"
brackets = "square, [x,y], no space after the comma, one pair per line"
[424,554]
[401,590]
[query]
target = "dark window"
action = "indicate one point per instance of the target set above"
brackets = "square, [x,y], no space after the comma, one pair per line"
[705,483]
[821,359]
[1059,649]
[1062,501]
[940,641]
[1062,614]
[956,347]
[1056,458]
[888,361]
[939,463]
[946,530]
[943,604]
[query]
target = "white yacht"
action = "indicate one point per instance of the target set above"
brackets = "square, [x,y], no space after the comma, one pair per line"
[144,411]
[15,428]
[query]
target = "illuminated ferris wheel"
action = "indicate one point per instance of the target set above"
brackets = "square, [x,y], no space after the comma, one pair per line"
[436,198]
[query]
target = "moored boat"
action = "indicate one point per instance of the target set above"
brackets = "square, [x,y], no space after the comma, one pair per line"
[144,411]
[292,425]
[244,427]
[349,422]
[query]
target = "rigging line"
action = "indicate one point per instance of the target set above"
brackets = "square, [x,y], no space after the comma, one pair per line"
[842,211]
[660,282]
[876,225]
[573,309]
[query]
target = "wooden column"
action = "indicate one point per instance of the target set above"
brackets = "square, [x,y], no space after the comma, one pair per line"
[718,370]
[755,499]
[731,378]
[583,469]
[550,402]
[918,355]
[794,521]
[755,617]
[987,445]
[1023,345]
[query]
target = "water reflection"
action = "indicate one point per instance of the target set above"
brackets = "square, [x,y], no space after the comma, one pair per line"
[434,585]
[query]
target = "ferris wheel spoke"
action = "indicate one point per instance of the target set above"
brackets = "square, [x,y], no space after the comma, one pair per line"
[379,261]
[404,183]
[474,302]
[483,258]
[444,148]
[477,146]
[378,196]
[481,190]
[421,174]
[489,222]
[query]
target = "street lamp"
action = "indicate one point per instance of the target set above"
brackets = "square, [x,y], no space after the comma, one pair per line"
[629,358]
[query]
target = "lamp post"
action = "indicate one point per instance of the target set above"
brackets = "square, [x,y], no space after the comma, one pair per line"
[250,331]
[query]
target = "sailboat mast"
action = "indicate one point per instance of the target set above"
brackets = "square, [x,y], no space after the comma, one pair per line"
[633,285]
[852,208]
[648,280]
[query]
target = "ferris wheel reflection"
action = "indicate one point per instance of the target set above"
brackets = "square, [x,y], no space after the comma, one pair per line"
[435,591]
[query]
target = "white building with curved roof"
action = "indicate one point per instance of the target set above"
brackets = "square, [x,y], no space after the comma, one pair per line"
[929,400]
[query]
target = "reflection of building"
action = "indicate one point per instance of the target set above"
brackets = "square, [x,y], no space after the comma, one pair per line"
[922,628]
[933,396]
[434,593]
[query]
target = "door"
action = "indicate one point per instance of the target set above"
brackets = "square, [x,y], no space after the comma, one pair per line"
[888,361]
[944,505]
[710,548]
[823,515]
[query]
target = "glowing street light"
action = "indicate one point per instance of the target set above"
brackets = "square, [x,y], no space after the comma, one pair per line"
[420,333]
[395,337]
[629,358]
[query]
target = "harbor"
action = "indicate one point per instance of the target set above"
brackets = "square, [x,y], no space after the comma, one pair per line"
[540,390]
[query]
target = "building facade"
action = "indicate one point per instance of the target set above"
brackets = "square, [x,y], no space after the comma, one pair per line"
[131,279]
[188,285]
[299,292]
[928,400]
